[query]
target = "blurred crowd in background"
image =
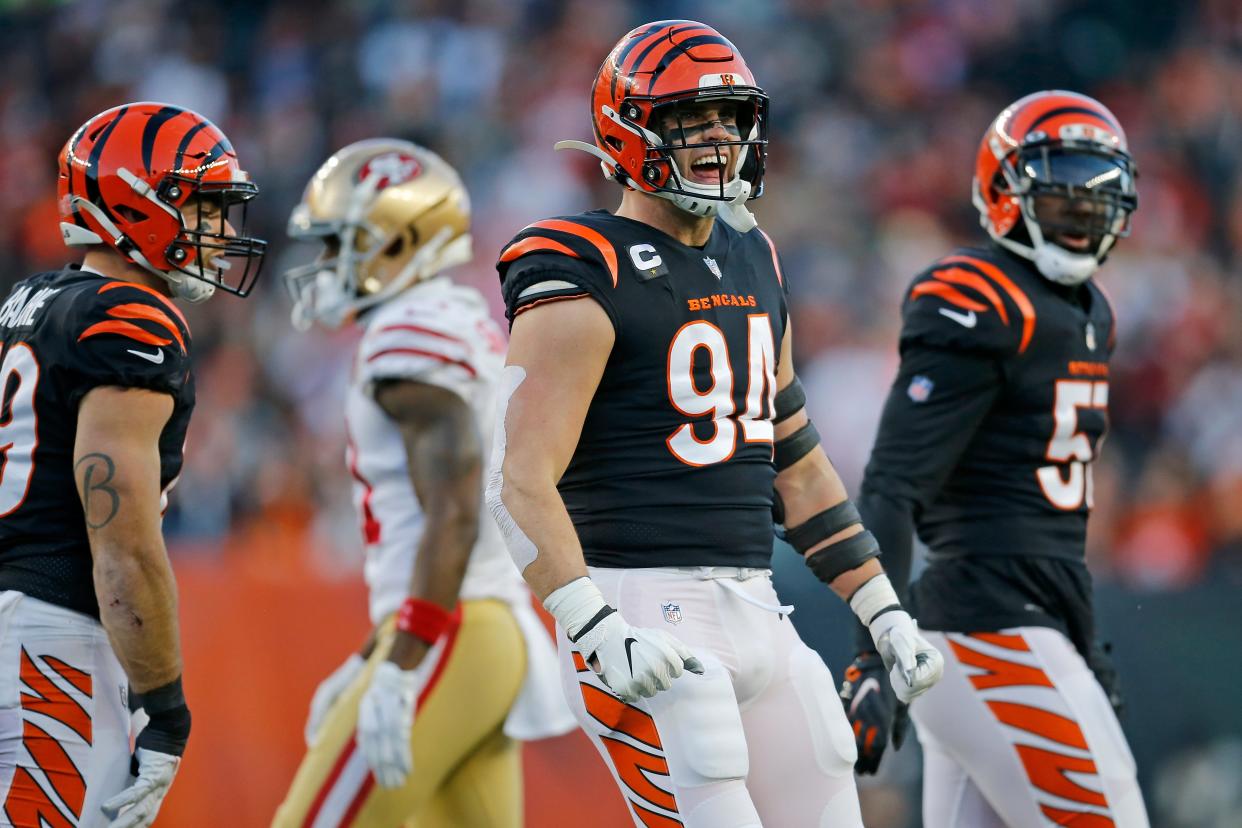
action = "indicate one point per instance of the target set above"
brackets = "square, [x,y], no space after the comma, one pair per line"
[877,110]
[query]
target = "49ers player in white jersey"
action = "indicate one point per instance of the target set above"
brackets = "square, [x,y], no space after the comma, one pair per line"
[422,723]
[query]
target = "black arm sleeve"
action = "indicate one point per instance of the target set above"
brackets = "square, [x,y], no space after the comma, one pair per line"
[937,401]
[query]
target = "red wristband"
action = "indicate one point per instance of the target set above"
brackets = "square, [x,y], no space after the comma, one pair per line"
[425,620]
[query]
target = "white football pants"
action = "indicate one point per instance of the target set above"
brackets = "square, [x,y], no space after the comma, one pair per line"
[1019,734]
[64,719]
[760,738]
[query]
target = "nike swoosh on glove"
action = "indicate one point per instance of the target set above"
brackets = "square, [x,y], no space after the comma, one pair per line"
[137,805]
[913,664]
[635,662]
[386,716]
[328,691]
[875,715]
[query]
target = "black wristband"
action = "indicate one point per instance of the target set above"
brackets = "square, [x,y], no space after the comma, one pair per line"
[789,401]
[793,448]
[822,526]
[169,727]
[844,555]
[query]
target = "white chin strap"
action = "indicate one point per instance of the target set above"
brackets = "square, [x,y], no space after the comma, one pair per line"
[1054,262]
[182,285]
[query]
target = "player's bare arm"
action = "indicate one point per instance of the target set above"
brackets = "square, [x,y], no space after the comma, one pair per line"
[117,470]
[557,354]
[824,526]
[445,461]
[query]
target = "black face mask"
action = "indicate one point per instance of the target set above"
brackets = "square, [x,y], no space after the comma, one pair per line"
[1094,188]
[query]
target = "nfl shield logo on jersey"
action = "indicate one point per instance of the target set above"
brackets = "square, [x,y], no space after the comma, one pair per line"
[712,266]
[920,389]
[672,613]
[1089,335]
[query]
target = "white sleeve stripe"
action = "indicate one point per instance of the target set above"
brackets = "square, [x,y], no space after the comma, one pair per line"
[466,366]
[545,287]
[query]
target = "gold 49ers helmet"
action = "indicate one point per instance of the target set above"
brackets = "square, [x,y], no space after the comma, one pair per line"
[389,214]
[649,75]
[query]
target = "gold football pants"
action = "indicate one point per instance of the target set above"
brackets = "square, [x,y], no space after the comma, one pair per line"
[467,772]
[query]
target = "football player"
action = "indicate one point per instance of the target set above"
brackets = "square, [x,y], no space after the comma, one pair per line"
[985,446]
[648,408]
[421,724]
[97,395]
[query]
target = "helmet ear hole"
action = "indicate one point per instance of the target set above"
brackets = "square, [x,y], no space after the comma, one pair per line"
[129,213]
[614,142]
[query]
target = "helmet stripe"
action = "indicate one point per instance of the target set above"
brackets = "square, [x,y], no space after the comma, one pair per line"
[1073,110]
[620,66]
[92,180]
[683,50]
[665,39]
[185,143]
[152,129]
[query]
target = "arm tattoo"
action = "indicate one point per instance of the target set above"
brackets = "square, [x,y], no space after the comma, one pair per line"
[97,470]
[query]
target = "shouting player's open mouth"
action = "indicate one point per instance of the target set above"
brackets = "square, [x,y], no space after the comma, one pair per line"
[709,169]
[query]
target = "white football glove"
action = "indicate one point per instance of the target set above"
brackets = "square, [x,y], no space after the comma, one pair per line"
[137,805]
[913,664]
[385,718]
[632,661]
[328,691]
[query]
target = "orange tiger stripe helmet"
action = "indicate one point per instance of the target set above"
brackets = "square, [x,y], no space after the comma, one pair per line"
[127,177]
[647,74]
[1065,145]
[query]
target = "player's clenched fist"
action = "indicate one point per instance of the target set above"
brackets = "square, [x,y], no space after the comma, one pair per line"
[913,664]
[632,661]
[875,715]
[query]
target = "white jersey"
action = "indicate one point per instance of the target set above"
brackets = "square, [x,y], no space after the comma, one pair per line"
[438,333]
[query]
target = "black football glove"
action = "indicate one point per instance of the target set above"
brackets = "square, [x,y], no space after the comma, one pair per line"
[873,710]
[1100,660]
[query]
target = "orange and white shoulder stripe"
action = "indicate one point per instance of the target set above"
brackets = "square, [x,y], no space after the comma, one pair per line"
[988,285]
[165,324]
[565,237]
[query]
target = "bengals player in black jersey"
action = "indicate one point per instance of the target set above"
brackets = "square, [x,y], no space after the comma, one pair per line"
[649,418]
[985,447]
[97,395]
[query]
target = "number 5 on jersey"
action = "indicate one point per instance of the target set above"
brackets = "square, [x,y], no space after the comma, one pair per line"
[717,399]
[1068,445]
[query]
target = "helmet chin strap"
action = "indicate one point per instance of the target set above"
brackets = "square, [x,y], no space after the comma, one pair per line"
[1054,262]
[182,286]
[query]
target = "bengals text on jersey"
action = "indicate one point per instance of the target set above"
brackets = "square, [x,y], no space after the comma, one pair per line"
[674,465]
[65,333]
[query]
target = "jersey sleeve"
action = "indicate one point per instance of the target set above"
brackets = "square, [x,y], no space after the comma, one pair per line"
[558,260]
[431,345]
[127,335]
[969,304]
[936,404]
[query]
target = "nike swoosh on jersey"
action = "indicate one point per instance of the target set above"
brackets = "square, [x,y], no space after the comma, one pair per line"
[157,357]
[630,642]
[966,320]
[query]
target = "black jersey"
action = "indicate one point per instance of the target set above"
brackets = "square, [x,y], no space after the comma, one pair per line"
[63,334]
[987,440]
[674,465]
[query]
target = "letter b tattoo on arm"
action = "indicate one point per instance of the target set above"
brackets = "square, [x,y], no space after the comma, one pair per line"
[100,501]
